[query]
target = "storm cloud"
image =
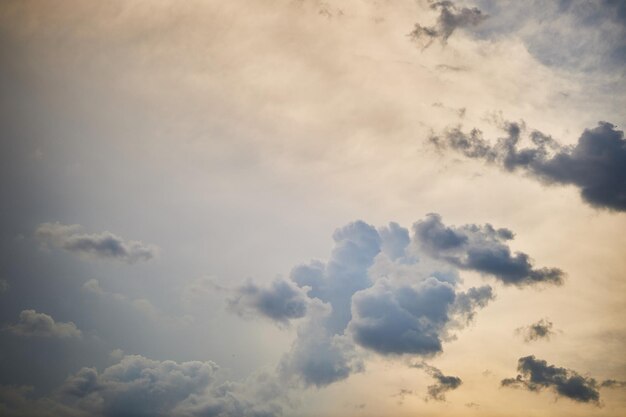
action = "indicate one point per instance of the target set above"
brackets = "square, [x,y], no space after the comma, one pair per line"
[536,375]
[103,245]
[450,18]
[34,324]
[596,165]
[482,249]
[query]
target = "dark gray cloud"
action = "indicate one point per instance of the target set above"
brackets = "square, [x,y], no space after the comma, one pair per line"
[410,319]
[98,245]
[482,249]
[542,329]
[282,301]
[450,18]
[444,383]
[536,375]
[596,164]
[36,324]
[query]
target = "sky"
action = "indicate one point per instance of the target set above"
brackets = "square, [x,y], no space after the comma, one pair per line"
[308,208]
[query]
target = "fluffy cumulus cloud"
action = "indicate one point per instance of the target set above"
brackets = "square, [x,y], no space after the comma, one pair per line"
[536,375]
[444,383]
[482,249]
[103,245]
[539,330]
[450,18]
[282,301]
[138,386]
[596,165]
[32,323]
[356,246]
[385,291]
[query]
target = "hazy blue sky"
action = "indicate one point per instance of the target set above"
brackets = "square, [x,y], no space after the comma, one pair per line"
[312,208]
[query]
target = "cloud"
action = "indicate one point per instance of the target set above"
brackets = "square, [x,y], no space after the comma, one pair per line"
[536,331]
[612,383]
[394,240]
[4,286]
[318,357]
[444,383]
[282,301]
[482,249]
[356,246]
[103,245]
[36,324]
[536,375]
[410,319]
[138,386]
[450,18]
[596,165]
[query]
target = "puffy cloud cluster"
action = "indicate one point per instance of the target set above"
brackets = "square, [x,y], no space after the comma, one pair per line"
[536,375]
[138,386]
[450,18]
[36,324]
[386,291]
[103,245]
[542,329]
[596,164]
[482,249]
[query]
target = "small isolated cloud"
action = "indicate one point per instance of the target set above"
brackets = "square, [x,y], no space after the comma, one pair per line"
[536,331]
[482,249]
[4,286]
[282,301]
[596,165]
[536,375]
[444,383]
[450,18]
[36,324]
[103,245]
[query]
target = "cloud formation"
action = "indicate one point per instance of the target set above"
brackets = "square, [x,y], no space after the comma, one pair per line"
[103,245]
[282,301]
[596,165]
[536,375]
[482,249]
[542,329]
[36,324]
[138,386]
[386,291]
[444,383]
[450,18]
